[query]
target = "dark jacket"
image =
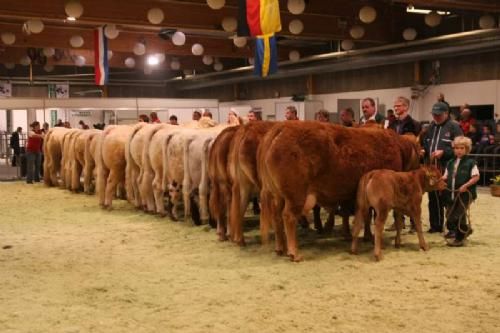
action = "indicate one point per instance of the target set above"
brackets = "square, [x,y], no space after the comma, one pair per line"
[14,141]
[379,119]
[407,125]
[440,137]
[462,176]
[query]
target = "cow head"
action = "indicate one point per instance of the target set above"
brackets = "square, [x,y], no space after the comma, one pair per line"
[433,179]
[175,192]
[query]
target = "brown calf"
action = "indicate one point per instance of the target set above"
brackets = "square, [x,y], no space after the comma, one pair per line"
[384,190]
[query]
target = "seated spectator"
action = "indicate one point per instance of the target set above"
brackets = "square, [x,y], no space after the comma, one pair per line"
[208,114]
[154,118]
[473,134]
[322,116]
[347,117]
[497,135]
[466,120]
[59,123]
[45,128]
[67,124]
[486,138]
[196,115]
[143,118]
[173,120]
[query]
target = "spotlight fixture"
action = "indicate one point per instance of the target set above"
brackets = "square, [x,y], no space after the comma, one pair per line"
[153,60]
[413,10]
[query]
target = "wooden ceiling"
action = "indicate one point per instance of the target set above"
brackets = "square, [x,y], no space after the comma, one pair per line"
[325,24]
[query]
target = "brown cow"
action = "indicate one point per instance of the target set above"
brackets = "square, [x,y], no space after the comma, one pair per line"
[301,164]
[384,190]
[220,183]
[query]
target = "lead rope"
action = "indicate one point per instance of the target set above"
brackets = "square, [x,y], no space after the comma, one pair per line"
[466,210]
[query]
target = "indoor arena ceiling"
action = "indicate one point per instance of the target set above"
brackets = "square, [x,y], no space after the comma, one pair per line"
[325,25]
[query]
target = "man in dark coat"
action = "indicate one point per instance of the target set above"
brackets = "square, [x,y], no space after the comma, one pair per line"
[15,145]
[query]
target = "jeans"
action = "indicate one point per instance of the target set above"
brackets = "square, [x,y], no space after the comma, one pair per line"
[33,161]
[436,211]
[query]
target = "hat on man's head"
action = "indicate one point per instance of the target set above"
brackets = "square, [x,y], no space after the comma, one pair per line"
[439,108]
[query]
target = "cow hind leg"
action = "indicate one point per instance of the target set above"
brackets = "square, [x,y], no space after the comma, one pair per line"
[318,225]
[195,211]
[359,221]
[290,218]
[418,225]
[399,225]
[379,230]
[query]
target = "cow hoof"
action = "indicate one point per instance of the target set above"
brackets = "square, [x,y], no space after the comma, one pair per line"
[279,252]
[223,238]
[354,252]
[162,214]
[425,247]
[295,258]
[378,257]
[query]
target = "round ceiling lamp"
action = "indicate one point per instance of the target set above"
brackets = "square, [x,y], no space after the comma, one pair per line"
[367,14]
[229,24]
[155,15]
[357,32]
[35,26]
[216,4]
[347,44]
[8,38]
[139,49]
[240,41]
[130,62]
[296,26]
[296,7]
[9,65]
[110,31]
[76,41]
[208,60]
[218,66]
[48,51]
[175,65]
[25,61]
[487,22]
[197,49]
[409,34]
[179,38]
[433,19]
[48,68]
[73,8]
[294,55]
[80,61]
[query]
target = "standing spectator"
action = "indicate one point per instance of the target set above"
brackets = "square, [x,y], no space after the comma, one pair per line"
[83,125]
[233,118]
[154,118]
[437,146]
[15,145]
[207,113]
[487,138]
[291,113]
[462,175]
[466,120]
[252,116]
[370,113]
[143,118]
[322,116]
[347,117]
[196,115]
[67,124]
[404,123]
[173,120]
[59,123]
[33,153]
[391,118]
[441,99]
[473,134]
[45,128]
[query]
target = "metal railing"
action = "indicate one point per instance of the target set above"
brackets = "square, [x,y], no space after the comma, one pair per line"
[488,165]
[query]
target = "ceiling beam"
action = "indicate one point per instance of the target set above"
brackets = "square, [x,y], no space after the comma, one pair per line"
[479,6]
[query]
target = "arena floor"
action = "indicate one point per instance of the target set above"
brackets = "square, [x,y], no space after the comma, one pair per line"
[67,266]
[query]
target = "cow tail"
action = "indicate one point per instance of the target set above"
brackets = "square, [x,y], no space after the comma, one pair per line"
[47,160]
[128,167]
[204,181]
[165,162]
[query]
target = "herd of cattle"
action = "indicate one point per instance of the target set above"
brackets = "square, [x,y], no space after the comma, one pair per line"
[214,171]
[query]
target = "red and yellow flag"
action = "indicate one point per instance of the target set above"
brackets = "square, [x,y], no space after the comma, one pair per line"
[258,17]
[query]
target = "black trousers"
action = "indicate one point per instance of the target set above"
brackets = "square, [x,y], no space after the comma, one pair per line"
[436,211]
[457,215]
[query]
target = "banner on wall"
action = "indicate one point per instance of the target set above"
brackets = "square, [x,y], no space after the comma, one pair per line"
[5,89]
[62,90]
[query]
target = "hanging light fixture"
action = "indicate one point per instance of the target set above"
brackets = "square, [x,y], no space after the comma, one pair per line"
[73,8]
[367,14]
[155,15]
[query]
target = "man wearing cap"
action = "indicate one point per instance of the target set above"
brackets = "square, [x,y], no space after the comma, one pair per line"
[437,144]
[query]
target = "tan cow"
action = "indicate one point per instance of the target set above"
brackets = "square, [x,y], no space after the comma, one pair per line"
[111,162]
[52,150]
[79,166]
[90,159]
[68,157]
[304,163]
[384,190]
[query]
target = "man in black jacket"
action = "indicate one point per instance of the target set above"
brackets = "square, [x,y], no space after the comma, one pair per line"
[438,149]
[404,123]
[15,145]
